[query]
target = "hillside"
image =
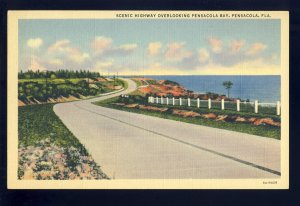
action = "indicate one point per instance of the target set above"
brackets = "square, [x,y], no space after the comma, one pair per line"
[41,90]
[161,87]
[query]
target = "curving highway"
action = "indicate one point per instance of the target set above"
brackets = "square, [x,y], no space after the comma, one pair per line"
[134,146]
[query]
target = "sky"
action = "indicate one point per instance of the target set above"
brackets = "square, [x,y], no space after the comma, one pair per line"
[151,47]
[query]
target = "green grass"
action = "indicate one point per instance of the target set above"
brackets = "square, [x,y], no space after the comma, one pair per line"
[30,89]
[138,83]
[218,111]
[137,92]
[250,108]
[123,83]
[261,130]
[152,81]
[39,122]
[246,110]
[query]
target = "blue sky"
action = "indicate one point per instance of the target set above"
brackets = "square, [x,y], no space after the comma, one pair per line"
[151,46]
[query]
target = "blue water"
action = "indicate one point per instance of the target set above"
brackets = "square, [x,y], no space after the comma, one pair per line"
[261,88]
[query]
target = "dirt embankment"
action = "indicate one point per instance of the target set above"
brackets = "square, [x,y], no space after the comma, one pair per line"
[50,100]
[161,87]
[212,116]
[169,88]
[92,84]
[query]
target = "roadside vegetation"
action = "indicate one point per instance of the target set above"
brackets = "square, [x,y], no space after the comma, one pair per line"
[140,81]
[202,116]
[38,87]
[48,150]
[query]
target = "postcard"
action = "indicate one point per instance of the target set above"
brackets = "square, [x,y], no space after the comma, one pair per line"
[148,100]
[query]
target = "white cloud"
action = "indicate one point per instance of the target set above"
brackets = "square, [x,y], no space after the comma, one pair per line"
[78,57]
[100,44]
[67,51]
[236,45]
[176,52]
[154,48]
[59,46]
[57,62]
[259,66]
[203,55]
[34,43]
[103,65]
[216,44]
[128,47]
[256,48]
[124,49]
[35,64]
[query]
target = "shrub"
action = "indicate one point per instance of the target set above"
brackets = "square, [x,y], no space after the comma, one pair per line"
[171,83]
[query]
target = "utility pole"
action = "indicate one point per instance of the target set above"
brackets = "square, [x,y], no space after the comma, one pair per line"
[88,76]
[114,81]
[46,75]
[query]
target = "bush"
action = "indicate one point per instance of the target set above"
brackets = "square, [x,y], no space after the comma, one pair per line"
[133,99]
[41,91]
[171,83]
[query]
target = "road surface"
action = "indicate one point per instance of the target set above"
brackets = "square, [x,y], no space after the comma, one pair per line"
[133,146]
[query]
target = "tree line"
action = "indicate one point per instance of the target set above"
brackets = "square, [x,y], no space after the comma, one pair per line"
[61,73]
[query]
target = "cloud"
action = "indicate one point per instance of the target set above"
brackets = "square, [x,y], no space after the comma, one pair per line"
[59,46]
[258,66]
[236,45]
[256,48]
[236,52]
[103,65]
[176,52]
[216,44]
[57,62]
[77,56]
[123,49]
[203,55]
[100,44]
[154,48]
[128,47]
[64,49]
[155,65]
[35,64]
[34,43]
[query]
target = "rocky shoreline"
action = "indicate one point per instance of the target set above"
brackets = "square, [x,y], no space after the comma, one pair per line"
[47,161]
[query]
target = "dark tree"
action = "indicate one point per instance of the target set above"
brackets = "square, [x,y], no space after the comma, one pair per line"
[228,85]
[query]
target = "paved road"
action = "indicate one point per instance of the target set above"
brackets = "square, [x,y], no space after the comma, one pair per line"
[129,145]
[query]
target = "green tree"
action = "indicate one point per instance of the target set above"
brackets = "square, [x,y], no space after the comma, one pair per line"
[52,76]
[228,85]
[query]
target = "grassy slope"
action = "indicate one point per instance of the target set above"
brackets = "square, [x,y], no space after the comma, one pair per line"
[124,83]
[39,122]
[39,91]
[218,111]
[138,83]
[261,130]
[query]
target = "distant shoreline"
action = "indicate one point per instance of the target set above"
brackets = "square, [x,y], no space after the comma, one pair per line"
[266,88]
